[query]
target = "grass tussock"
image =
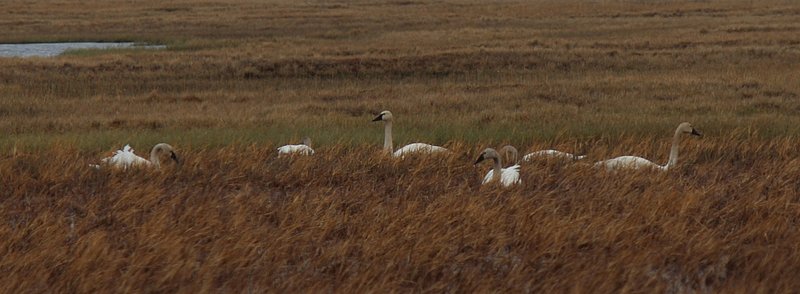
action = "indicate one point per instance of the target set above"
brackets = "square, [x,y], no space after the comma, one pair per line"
[350,219]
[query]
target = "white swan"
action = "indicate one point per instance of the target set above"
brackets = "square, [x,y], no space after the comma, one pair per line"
[505,176]
[125,158]
[303,148]
[512,154]
[635,162]
[552,154]
[386,117]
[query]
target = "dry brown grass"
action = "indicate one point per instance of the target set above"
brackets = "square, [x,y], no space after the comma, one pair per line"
[239,219]
[605,78]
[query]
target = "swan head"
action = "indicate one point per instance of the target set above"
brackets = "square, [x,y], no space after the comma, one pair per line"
[687,128]
[164,151]
[383,116]
[488,153]
[306,141]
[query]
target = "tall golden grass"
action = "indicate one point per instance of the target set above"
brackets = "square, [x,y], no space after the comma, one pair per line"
[603,78]
[350,219]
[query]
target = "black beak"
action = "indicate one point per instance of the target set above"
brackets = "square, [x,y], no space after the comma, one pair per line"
[378,118]
[480,158]
[174,157]
[695,132]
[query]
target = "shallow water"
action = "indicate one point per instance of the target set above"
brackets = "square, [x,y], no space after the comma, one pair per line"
[53,49]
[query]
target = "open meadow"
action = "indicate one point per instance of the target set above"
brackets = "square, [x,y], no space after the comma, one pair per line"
[241,77]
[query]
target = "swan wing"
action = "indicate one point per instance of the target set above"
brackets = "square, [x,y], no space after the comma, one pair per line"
[488,177]
[628,162]
[295,149]
[510,176]
[418,148]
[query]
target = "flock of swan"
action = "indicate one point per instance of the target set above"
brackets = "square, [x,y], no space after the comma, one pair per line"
[504,176]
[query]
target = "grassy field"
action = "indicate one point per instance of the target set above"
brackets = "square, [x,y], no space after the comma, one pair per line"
[239,78]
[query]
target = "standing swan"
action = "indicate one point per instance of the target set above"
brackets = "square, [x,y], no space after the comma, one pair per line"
[125,158]
[303,148]
[635,162]
[505,176]
[386,117]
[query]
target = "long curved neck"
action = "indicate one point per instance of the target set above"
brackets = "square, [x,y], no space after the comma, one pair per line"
[154,160]
[673,152]
[498,170]
[387,137]
[514,157]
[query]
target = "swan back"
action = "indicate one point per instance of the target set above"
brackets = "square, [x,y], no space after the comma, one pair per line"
[124,159]
[551,154]
[301,149]
[628,162]
[418,148]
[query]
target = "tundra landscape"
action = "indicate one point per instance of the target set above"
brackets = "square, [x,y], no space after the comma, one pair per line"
[240,78]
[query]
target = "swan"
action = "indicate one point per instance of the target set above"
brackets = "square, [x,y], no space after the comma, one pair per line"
[635,162]
[510,153]
[125,158]
[386,117]
[303,148]
[550,153]
[505,176]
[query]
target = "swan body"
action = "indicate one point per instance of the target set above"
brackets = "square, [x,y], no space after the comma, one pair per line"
[418,148]
[303,148]
[635,162]
[506,177]
[550,153]
[125,158]
[630,162]
[512,154]
[388,145]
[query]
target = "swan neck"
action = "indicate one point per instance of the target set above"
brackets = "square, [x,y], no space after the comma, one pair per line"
[387,137]
[498,170]
[673,152]
[514,156]
[154,160]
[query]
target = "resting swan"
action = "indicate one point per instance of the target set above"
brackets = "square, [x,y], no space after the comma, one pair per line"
[505,176]
[550,153]
[635,162]
[303,148]
[512,153]
[125,158]
[386,117]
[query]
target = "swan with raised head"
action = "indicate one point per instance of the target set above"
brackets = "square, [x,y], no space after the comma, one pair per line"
[635,162]
[303,148]
[386,117]
[505,176]
[125,158]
